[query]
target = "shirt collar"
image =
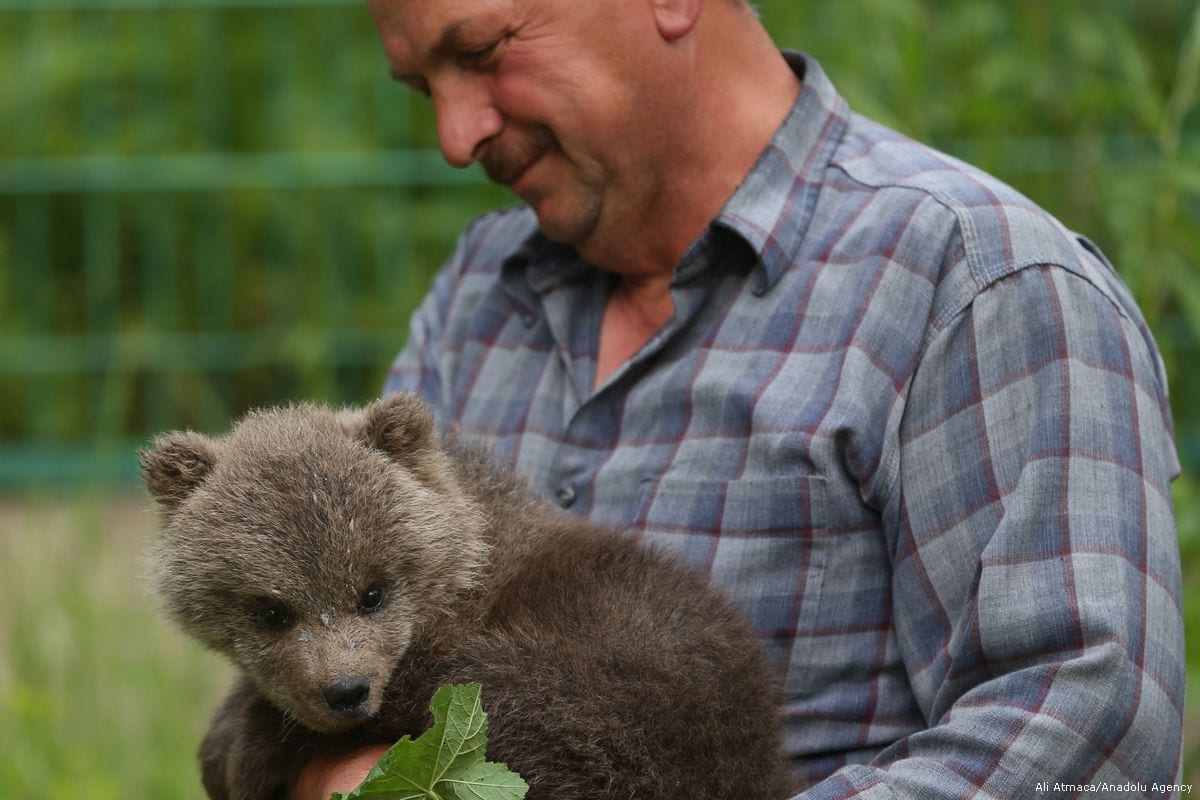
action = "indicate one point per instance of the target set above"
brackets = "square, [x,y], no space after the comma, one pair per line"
[538,266]
[770,210]
[773,206]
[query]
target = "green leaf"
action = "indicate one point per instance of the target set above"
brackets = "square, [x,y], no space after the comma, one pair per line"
[482,781]
[446,762]
[460,727]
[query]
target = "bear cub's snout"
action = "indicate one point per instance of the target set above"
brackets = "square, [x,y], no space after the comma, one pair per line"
[348,696]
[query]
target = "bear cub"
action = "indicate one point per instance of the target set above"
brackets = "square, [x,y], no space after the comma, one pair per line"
[350,562]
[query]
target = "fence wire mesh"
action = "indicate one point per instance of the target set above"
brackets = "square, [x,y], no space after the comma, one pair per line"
[207,205]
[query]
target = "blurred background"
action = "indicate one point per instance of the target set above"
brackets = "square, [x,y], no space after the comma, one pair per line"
[207,205]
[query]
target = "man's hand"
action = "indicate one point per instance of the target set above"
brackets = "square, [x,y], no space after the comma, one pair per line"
[341,772]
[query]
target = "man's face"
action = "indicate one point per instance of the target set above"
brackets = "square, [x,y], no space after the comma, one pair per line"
[550,96]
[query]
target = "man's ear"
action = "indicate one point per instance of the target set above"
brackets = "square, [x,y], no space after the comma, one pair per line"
[675,18]
[175,465]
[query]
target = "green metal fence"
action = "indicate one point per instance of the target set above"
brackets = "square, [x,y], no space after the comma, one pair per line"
[207,205]
[199,213]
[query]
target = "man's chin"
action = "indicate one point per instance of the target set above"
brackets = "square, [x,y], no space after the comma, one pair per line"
[572,225]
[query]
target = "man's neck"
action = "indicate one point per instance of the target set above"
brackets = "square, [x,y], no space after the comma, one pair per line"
[633,312]
[737,99]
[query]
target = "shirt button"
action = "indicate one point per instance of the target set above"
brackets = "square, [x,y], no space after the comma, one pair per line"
[566,495]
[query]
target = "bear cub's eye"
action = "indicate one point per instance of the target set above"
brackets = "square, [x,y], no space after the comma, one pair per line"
[273,615]
[371,599]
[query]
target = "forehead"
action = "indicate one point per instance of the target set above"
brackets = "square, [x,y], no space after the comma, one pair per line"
[413,27]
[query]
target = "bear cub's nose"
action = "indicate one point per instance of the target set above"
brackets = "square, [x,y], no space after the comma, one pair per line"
[348,695]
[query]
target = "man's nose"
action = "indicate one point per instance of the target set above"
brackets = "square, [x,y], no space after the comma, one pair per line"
[466,120]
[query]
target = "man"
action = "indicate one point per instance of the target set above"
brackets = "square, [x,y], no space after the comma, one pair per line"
[914,427]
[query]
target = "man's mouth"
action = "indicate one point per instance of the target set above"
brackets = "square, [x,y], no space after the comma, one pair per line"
[514,181]
[508,173]
[508,166]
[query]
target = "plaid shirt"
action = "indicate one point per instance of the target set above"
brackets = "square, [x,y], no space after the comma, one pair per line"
[914,427]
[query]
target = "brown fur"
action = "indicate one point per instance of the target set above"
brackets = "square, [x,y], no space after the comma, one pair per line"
[608,671]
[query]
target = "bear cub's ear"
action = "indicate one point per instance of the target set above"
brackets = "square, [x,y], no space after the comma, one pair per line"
[400,425]
[176,464]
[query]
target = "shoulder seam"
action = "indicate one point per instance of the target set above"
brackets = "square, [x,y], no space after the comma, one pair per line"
[984,274]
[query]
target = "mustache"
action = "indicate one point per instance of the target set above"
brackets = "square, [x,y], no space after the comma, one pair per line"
[505,160]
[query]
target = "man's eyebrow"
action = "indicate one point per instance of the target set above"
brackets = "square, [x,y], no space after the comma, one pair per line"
[450,41]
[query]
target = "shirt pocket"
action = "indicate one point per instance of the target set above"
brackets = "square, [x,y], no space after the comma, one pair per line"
[761,540]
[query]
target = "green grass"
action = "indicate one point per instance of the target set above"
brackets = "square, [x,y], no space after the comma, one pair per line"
[99,698]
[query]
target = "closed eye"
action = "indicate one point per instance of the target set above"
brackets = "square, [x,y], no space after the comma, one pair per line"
[480,56]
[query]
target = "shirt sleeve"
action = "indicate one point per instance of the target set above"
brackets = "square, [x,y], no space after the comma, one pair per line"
[420,365]
[1036,578]
[415,369]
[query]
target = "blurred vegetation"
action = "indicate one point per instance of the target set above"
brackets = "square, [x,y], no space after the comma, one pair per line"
[99,699]
[207,205]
